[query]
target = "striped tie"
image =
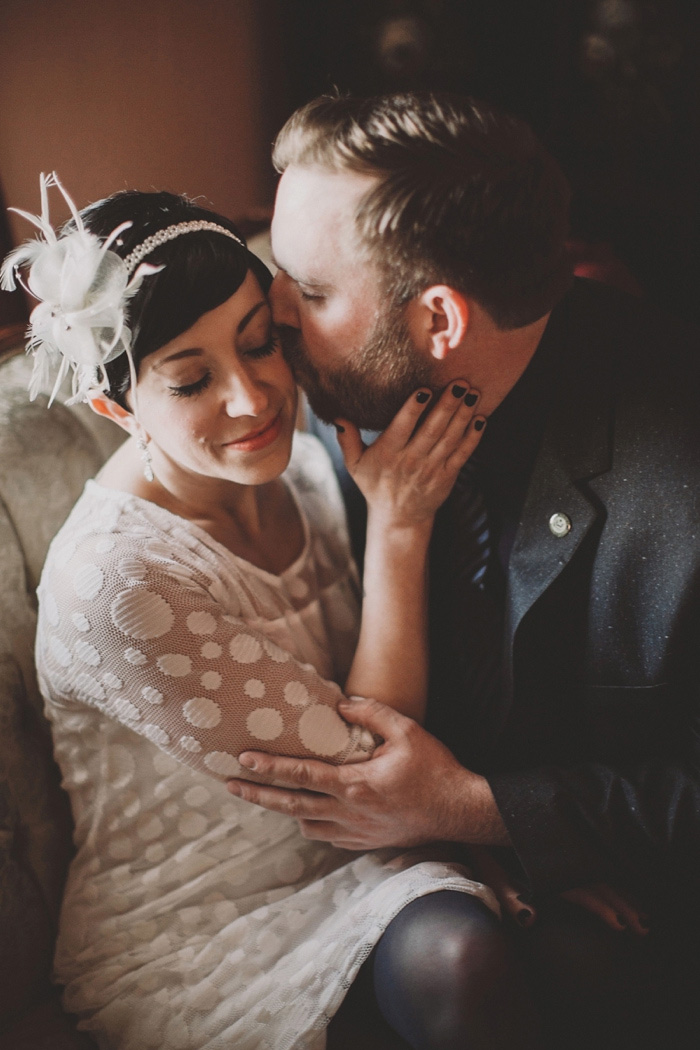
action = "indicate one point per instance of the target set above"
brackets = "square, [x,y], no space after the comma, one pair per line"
[466,623]
[473,550]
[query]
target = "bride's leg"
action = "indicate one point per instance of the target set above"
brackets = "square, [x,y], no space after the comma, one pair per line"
[358,1024]
[446,978]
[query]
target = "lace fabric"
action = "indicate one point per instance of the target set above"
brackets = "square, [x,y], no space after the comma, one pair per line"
[176,639]
[192,919]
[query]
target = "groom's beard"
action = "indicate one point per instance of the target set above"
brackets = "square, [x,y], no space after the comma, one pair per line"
[371,387]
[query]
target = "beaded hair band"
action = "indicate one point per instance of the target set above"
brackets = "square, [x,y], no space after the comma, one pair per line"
[169,234]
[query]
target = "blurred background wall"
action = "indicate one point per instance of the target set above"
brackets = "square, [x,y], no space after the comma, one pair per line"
[188,96]
[137,94]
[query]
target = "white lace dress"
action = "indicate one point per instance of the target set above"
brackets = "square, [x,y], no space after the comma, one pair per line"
[193,920]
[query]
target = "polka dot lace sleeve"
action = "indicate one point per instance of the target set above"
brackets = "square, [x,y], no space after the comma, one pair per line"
[149,639]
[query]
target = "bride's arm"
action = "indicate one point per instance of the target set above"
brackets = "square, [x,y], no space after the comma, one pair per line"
[405,476]
[127,627]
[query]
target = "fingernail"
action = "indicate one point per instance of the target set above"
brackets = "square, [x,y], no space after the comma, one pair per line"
[471,399]
[341,430]
[479,424]
[248,761]
[524,916]
[621,921]
[521,898]
[422,397]
[459,391]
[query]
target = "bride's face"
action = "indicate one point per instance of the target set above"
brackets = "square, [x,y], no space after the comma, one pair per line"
[219,400]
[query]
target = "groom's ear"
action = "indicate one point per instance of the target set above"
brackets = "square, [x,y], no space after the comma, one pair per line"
[438,319]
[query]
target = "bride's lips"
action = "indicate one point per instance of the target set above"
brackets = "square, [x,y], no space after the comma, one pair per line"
[258,439]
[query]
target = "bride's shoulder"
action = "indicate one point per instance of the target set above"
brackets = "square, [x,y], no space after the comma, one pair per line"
[103,523]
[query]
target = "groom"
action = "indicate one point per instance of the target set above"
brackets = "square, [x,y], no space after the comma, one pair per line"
[420,239]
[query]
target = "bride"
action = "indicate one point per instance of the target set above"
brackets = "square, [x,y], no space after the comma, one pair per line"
[201,600]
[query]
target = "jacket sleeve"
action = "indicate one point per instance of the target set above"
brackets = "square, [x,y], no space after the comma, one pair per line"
[587,823]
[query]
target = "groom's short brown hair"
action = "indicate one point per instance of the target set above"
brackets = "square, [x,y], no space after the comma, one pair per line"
[465,196]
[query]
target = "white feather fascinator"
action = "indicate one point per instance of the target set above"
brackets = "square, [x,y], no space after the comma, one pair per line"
[83,289]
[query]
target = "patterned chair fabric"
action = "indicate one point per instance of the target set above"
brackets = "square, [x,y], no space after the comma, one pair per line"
[45,458]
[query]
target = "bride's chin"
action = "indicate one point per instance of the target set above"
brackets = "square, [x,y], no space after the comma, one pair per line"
[264,466]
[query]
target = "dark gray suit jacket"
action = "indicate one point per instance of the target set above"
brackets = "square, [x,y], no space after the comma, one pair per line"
[601,654]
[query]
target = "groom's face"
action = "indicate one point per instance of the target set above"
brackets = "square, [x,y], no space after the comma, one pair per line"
[352,351]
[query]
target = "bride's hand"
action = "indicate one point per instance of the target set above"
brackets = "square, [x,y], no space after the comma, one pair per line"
[410,469]
[615,909]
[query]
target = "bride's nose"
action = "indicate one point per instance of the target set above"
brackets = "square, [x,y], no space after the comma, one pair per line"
[246,395]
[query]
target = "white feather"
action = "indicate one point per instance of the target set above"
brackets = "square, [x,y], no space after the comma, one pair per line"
[28,252]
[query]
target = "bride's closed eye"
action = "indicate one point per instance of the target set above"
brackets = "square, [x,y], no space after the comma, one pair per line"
[265,350]
[256,353]
[190,389]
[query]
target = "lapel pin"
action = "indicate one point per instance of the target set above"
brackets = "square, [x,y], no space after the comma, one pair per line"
[559,524]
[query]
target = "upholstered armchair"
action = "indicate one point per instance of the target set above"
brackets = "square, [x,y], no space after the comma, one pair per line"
[46,455]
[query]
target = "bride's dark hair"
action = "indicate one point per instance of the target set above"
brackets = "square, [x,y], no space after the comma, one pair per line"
[202,269]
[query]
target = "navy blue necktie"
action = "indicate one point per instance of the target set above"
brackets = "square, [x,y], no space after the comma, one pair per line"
[472,547]
[466,623]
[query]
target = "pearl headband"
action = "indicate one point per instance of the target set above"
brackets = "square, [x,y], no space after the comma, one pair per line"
[169,234]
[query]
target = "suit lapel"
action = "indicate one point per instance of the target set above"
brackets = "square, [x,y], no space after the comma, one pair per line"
[576,447]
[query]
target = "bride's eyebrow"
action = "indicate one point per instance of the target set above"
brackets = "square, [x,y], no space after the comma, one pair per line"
[245,321]
[194,351]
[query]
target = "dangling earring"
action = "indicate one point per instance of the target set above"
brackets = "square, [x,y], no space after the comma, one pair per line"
[142,446]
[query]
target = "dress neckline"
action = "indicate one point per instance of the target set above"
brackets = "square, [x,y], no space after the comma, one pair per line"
[155,509]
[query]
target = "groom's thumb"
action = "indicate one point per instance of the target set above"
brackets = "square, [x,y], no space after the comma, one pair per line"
[383,721]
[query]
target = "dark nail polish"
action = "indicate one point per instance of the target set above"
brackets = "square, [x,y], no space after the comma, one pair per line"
[471,399]
[479,424]
[459,391]
[524,916]
[422,397]
[341,430]
[621,921]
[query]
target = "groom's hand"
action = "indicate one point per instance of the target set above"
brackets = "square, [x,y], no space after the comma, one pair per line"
[411,791]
